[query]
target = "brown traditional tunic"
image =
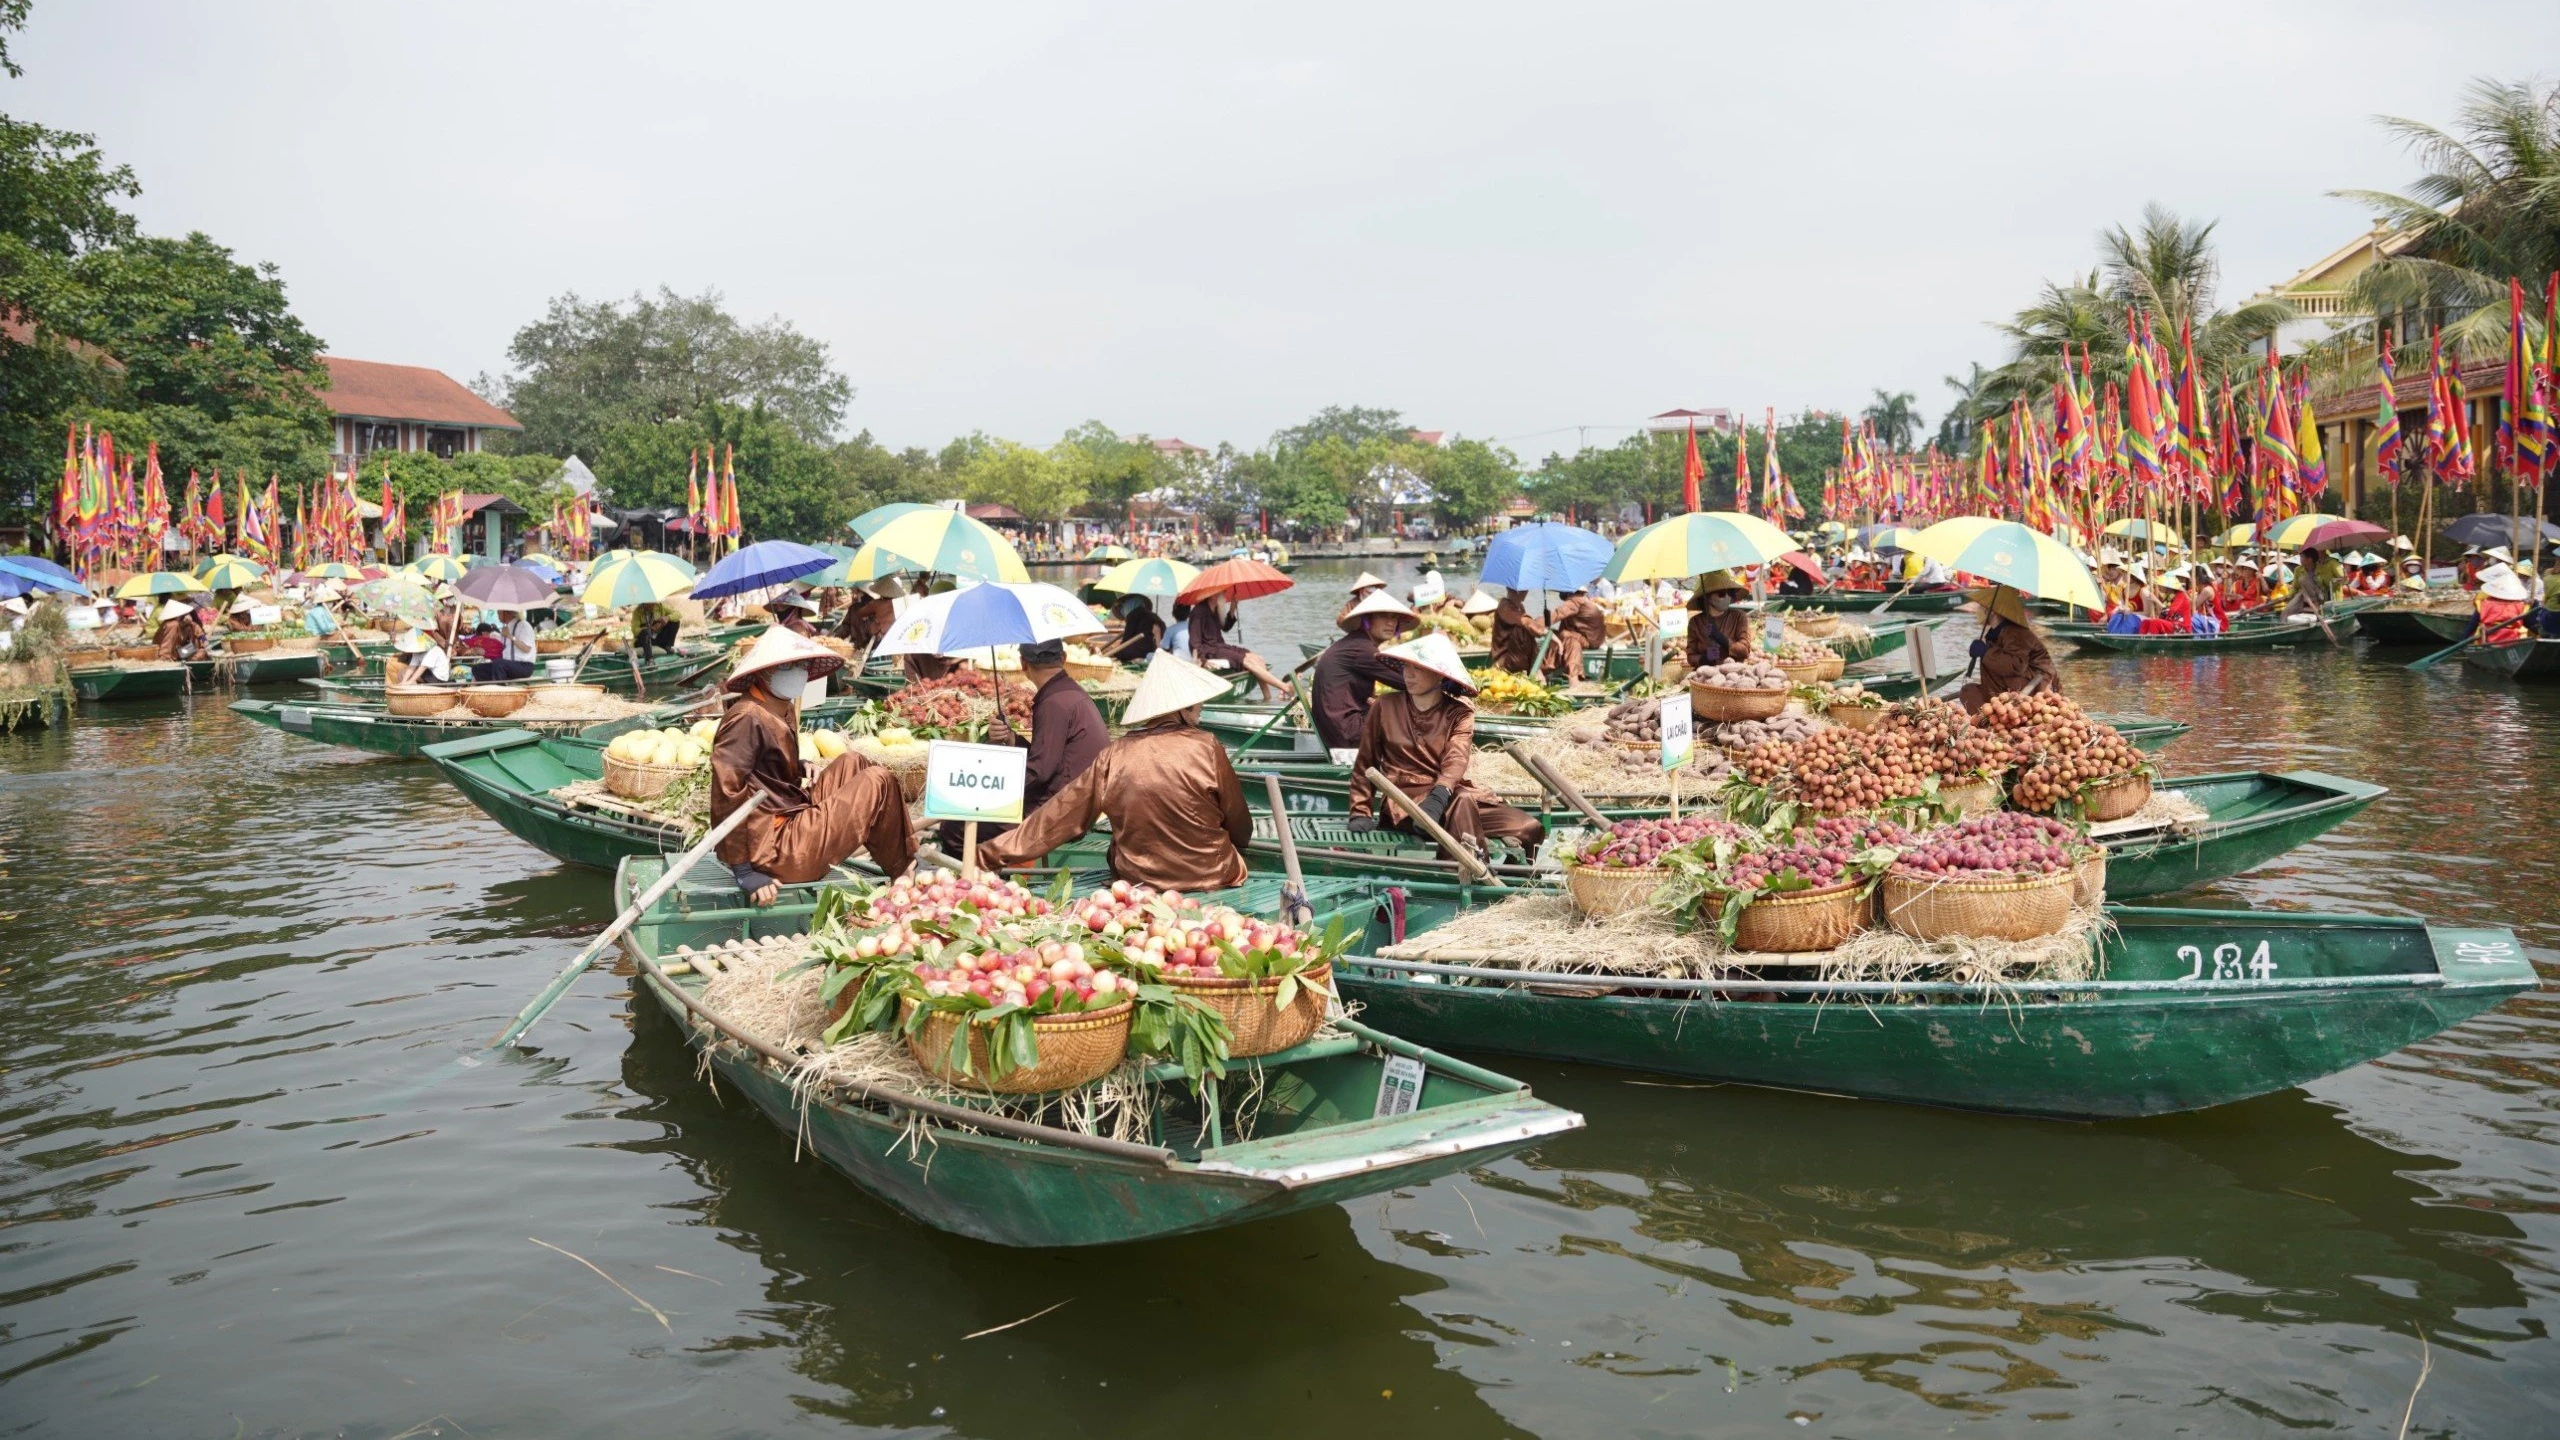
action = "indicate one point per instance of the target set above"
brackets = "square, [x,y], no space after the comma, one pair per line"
[2013,655]
[865,623]
[1178,820]
[1714,639]
[1347,676]
[1209,636]
[927,667]
[1423,750]
[1579,624]
[177,635]
[802,829]
[1515,636]
[1067,736]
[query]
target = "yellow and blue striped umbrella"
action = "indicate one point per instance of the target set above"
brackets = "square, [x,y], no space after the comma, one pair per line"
[161,582]
[331,570]
[2008,553]
[637,577]
[1687,545]
[438,566]
[2157,534]
[2295,532]
[878,515]
[2236,536]
[1888,537]
[944,542]
[230,572]
[1108,553]
[1151,576]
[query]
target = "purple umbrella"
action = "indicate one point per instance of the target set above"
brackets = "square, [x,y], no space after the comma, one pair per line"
[507,587]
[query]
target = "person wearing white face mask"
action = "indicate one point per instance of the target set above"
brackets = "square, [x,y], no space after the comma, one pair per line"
[803,830]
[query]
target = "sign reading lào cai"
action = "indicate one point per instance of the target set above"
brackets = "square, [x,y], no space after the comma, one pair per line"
[974,782]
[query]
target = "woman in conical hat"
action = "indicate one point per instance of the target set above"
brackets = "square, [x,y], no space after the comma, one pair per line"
[1350,671]
[1366,585]
[1177,812]
[179,636]
[804,830]
[1717,631]
[1422,738]
[2503,602]
[2010,654]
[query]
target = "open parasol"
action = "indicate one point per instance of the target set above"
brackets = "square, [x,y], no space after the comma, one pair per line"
[2008,553]
[1238,579]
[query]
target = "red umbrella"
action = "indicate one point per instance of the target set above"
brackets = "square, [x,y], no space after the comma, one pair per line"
[1242,579]
[1803,562]
[2342,532]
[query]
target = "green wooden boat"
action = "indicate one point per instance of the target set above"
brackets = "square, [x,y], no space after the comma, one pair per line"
[267,667]
[119,681]
[2252,817]
[613,672]
[2533,660]
[2197,1008]
[510,774]
[378,732]
[2434,629]
[1905,602]
[1317,1138]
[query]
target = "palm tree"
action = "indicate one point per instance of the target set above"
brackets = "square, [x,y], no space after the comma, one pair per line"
[2486,210]
[1896,417]
[1957,430]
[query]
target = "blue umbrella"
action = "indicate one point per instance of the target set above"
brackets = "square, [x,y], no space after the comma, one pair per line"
[538,568]
[761,566]
[44,573]
[1545,556]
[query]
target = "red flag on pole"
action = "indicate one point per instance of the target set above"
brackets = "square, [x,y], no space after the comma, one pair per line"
[1692,470]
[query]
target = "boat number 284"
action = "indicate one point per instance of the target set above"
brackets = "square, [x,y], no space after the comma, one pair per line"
[2228,963]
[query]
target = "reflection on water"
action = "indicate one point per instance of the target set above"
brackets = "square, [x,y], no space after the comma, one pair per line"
[237,1149]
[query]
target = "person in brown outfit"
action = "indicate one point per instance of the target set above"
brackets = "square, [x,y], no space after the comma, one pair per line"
[1177,812]
[1578,623]
[1515,634]
[1350,670]
[1211,614]
[1717,631]
[1067,735]
[1422,740]
[803,830]
[179,637]
[868,619]
[2012,656]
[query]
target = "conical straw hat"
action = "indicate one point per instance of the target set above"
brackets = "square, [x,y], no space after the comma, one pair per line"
[1170,683]
[1433,651]
[778,647]
[1375,603]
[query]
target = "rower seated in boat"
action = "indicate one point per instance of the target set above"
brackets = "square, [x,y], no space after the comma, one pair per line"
[2311,584]
[793,612]
[2011,655]
[2503,602]
[1141,630]
[1515,633]
[1577,624]
[179,637]
[1422,740]
[1717,631]
[1350,671]
[422,662]
[1212,616]
[1177,811]
[803,830]
[1361,589]
[866,623]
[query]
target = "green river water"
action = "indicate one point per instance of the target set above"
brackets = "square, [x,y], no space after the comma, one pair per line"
[246,1190]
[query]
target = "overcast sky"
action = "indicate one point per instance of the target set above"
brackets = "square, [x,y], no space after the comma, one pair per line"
[1507,220]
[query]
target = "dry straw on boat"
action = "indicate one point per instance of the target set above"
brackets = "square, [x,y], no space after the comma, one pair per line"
[1258,1025]
[136,652]
[1928,907]
[2089,880]
[1721,703]
[1074,1050]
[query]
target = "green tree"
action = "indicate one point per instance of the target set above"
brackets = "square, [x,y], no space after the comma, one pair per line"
[1033,482]
[2487,210]
[1471,480]
[589,367]
[787,487]
[1350,424]
[1109,469]
[873,474]
[1896,416]
[1962,424]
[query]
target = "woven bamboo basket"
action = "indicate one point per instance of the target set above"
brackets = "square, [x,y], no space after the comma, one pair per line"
[2118,798]
[1793,924]
[634,781]
[1720,703]
[568,690]
[907,765]
[556,645]
[1603,890]
[1937,908]
[136,652]
[1970,797]
[1074,1050]
[1855,717]
[1259,1026]
[494,702]
[1811,672]
[249,644]
[2089,877]
[1492,707]
[417,699]
[1091,672]
[1814,624]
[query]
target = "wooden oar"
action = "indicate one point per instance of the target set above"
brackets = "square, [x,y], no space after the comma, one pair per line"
[1555,783]
[2447,653]
[1294,909]
[684,863]
[1468,864]
[1892,595]
[1285,706]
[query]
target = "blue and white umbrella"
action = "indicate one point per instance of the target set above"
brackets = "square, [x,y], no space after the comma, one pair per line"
[761,566]
[983,616]
[41,574]
[1545,556]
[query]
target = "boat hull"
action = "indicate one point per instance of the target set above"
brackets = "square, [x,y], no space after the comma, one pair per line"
[119,684]
[2390,626]
[2096,1059]
[2525,660]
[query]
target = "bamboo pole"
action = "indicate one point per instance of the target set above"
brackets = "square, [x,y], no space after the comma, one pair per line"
[1468,864]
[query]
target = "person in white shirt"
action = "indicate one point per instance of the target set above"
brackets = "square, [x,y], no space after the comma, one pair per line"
[426,662]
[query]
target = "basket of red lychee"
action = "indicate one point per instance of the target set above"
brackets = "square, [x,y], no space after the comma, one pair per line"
[2002,876]
[1811,892]
[1619,869]
[1271,983]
